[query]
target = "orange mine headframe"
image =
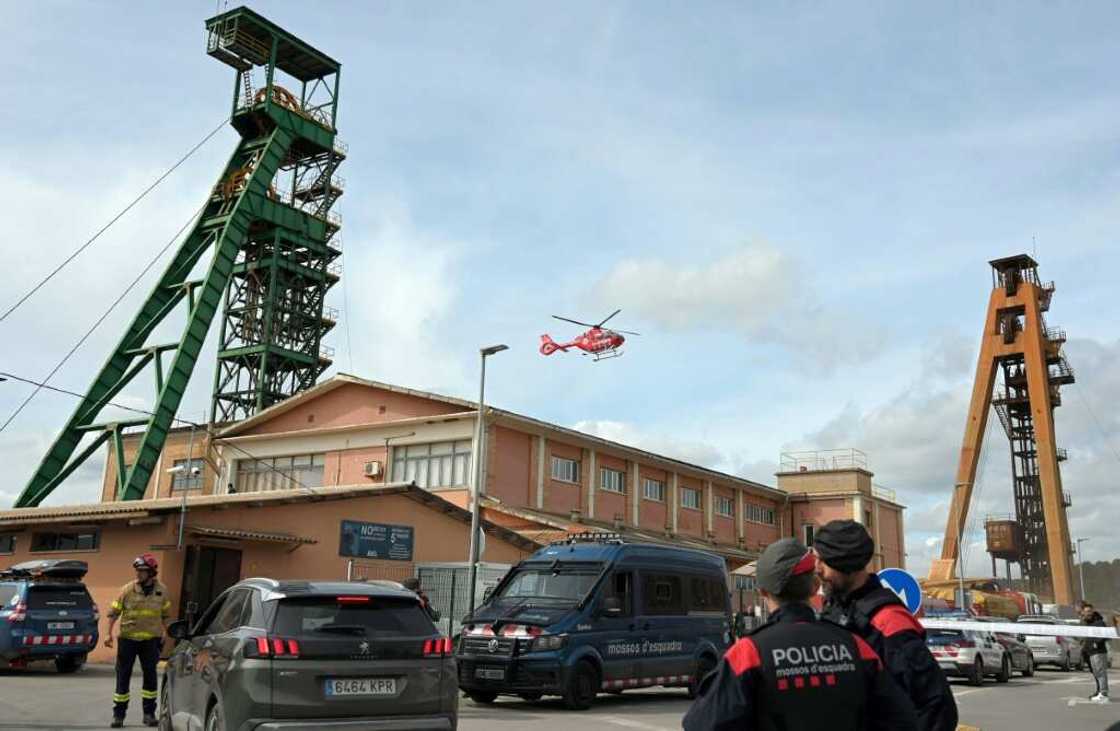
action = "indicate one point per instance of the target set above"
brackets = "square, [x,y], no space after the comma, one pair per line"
[1017,343]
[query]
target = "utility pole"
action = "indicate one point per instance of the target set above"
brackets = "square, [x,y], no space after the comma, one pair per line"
[1081,566]
[476,475]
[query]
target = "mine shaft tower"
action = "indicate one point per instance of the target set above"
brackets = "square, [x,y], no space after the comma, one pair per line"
[272,239]
[1018,346]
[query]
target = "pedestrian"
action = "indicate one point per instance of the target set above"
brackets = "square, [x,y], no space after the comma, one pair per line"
[143,608]
[857,600]
[1096,649]
[795,671]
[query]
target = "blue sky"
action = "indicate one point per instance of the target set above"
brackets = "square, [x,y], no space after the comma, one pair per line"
[794,206]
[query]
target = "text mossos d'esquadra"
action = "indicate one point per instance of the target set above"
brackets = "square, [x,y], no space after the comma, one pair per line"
[645,647]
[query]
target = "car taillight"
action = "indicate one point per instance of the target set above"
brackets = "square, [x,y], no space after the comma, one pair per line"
[18,613]
[272,647]
[439,647]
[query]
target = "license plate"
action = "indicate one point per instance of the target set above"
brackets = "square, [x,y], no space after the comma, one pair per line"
[60,625]
[490,673]
[343,687]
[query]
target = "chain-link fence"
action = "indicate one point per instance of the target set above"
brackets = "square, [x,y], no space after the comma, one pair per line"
[447,587]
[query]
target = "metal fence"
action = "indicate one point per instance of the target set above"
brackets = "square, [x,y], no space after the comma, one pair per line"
[447,588]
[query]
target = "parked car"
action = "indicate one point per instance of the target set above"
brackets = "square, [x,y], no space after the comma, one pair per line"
[1022,659]
[46,613]
[592,614]
[1064,652]
[970,654]
[298,654]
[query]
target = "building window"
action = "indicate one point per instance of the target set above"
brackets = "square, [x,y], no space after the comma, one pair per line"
[612,480]
[809,532]
[184,480]
[725,506]
[87,540]
[440,464]
[690,498]
[279,473]
[653,489]
[760,514]
[7,543]
[564,469]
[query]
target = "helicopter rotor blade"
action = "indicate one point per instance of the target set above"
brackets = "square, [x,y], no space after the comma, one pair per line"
[574,322]
[608,317]
[627,332]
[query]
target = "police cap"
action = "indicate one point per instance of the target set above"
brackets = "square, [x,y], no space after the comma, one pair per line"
[780,562]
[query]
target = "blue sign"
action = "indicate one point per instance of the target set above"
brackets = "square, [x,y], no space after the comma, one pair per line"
[905,586]
[376,540]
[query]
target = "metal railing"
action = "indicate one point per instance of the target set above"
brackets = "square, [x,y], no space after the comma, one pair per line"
[823,459]
[326,352]
[883,492]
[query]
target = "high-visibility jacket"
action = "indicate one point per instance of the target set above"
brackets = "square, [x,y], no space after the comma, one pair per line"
[142,614]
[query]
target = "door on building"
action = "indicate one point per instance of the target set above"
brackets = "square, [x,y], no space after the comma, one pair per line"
[208,572]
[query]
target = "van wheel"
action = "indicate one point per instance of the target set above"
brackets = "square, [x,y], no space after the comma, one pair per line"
[976,677]
[482,696]
[704,666]
[582,687]
[1004,670]
[69,663]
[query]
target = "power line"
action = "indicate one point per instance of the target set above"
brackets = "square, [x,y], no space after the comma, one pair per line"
[103,316]
[1100,427]
[113,220]
[145,412]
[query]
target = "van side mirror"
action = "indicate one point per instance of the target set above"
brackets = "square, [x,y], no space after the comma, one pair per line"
[179,630]
[611,607]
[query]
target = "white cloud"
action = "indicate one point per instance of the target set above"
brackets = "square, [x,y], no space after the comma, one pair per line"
[757,291]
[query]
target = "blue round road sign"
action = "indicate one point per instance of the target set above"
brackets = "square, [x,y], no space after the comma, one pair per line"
[905,586]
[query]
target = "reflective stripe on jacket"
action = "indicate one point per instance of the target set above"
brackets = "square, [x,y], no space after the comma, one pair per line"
[142,615]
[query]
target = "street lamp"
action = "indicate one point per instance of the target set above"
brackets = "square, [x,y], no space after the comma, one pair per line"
[476,475]
[1081,566]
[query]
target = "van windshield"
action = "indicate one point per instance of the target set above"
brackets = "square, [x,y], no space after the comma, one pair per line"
[549,585]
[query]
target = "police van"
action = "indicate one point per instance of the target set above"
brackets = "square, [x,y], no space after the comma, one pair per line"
[595,614]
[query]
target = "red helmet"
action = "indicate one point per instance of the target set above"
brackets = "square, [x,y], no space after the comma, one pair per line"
[146,561]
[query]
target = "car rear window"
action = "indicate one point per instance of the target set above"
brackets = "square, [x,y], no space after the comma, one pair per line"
[58,597]
[314,615]
[944,636]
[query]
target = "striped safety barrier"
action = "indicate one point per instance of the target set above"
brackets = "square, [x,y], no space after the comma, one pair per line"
[58,639]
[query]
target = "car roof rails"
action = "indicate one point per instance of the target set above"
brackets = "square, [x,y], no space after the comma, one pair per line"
[47,569]
[590,537]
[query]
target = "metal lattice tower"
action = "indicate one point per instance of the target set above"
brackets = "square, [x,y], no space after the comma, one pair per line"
[1018,345]
[271,235]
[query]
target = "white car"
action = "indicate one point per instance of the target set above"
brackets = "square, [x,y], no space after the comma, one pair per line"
[970,654]
[1063,652]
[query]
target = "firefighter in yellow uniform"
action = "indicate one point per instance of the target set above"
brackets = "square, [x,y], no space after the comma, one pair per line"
[144,609]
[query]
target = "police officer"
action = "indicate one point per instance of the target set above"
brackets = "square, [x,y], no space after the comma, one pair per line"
[856,600]
[143,608]
[796,672]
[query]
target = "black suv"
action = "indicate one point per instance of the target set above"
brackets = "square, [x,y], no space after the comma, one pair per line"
[46,613]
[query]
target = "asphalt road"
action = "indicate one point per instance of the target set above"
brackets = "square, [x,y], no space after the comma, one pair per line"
[40,699]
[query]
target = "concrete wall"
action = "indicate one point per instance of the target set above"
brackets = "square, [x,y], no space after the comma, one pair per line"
[564,497]
[509,469]
[689,521]
[724,527]
[816,481]
[653,515]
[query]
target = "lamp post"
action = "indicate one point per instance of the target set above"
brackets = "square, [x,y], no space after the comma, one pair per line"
[1081,566]
[476,475]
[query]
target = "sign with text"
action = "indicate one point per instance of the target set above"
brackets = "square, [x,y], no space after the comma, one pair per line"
[375,540]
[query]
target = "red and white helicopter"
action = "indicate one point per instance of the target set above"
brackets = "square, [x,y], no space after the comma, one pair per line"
[599,342]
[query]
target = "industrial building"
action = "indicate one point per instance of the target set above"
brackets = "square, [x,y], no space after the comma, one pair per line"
[274,495]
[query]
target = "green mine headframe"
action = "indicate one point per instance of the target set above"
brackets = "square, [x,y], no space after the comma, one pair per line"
[271,234]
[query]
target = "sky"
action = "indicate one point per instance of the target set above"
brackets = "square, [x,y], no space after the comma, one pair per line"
[794,205]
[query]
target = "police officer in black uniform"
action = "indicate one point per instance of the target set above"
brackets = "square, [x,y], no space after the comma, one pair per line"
[858,601]
[796,672]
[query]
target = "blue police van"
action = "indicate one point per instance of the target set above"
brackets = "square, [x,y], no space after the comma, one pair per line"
[46,613]
[595,614]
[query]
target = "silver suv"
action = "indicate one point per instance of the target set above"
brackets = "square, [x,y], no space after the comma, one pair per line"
[272,655]
[1064,652]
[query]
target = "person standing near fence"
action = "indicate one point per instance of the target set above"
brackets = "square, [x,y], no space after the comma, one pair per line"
[1097,651]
